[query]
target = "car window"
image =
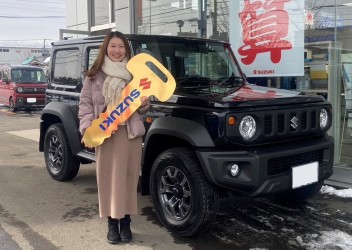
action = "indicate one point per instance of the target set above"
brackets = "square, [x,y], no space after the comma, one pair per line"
[29,75]
[4,75]
[67,70]
[92,55]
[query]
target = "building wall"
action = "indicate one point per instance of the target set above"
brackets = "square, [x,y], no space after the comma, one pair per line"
[77,16]
[16,55]
[122,16]
[331,21]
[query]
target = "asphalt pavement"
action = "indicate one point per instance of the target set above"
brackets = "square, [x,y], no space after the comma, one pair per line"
[39,213]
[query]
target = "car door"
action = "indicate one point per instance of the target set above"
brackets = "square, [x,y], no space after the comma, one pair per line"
[3,87]
[7,87]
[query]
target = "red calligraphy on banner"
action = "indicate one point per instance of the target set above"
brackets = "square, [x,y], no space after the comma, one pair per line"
[264,32]
[247,93]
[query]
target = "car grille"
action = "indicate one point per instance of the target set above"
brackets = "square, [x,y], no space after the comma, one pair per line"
[275,125]
[284,164]
[288,123]
[34,90]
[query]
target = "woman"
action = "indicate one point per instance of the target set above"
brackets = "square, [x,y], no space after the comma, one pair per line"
[118,159]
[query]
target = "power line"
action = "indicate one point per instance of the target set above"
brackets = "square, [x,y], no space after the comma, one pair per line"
[25,40]
[37,1]
[28,3]
[15,8]
[24,17]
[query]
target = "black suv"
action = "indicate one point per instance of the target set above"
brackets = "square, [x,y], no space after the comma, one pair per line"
[217,135]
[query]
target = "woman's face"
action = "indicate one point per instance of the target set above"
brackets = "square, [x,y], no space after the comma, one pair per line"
[116,50]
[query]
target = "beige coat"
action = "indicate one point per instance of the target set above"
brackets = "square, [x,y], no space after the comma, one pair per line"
[118,159]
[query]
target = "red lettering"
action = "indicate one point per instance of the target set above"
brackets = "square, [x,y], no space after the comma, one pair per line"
[264,32]
[247,93]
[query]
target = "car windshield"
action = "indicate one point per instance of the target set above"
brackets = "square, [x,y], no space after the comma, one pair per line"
[28,75]
[199,67]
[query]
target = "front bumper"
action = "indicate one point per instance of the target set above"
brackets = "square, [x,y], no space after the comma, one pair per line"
[267,170]
[28,102]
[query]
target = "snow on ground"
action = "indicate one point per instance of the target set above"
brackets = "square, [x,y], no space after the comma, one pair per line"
[326,240]
[345,193]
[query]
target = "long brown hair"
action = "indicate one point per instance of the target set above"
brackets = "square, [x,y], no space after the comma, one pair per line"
[103,51]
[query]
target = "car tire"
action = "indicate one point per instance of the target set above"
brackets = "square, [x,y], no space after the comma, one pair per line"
[185,202]
[301,194]
[61,164]
[13,107]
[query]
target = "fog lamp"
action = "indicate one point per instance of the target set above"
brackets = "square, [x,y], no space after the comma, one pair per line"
[234,169]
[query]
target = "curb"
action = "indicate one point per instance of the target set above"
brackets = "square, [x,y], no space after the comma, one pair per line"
[342,177]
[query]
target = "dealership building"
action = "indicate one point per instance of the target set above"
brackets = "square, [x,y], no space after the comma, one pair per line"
[315,38]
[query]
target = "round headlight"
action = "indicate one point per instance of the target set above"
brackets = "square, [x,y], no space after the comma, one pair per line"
[323,118]
[19,89]
[247,127]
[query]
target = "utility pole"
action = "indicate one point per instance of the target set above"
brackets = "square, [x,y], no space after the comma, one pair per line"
[215,20]
[202,19]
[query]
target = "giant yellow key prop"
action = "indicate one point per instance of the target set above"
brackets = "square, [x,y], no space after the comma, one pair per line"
[145,82]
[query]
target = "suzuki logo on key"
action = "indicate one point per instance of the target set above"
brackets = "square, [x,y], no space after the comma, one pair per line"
[294,122]
[144,83]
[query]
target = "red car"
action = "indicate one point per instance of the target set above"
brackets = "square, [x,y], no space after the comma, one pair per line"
[22,87]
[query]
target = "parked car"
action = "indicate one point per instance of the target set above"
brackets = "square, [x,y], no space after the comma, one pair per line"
[22,87]
[217,136]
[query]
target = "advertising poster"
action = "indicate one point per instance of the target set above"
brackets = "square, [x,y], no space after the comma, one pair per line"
[267,36]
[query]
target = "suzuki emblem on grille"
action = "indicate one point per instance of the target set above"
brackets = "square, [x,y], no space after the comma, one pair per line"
[294,122]
[35,89]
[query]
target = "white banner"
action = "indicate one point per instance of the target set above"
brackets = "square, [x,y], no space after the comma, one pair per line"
[267,36]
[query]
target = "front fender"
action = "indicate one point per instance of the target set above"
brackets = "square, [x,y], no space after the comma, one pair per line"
[55,112]
[187,133]
[192,132]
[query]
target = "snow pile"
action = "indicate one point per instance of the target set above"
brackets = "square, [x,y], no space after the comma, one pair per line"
[345,193]
[326,240]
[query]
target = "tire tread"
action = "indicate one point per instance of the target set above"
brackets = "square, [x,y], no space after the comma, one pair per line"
[70,163]
[209,195]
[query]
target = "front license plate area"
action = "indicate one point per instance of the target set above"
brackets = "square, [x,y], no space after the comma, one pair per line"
[31,100]
[304,174]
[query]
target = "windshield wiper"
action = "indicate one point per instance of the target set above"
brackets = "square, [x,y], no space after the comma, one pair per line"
[196,78]
[231,79]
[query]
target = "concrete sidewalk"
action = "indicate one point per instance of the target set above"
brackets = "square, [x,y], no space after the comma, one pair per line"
[342,177]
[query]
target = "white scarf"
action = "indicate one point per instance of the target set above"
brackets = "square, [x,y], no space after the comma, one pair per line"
[117,78]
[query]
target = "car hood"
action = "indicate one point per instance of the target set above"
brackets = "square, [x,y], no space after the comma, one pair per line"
[247,95]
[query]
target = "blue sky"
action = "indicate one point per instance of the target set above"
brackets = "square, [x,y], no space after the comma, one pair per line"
[28,23]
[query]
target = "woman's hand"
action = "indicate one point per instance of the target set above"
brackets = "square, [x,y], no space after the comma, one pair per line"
[82,142]
[145,101]
[145,105]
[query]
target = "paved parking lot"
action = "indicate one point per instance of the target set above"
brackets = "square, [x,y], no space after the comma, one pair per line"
[37,212]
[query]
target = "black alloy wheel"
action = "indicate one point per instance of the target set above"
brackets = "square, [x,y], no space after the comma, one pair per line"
[185,201]
[60,163]
[175,193]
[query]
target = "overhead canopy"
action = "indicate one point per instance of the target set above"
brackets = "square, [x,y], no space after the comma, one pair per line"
[31,60]
[46,61]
